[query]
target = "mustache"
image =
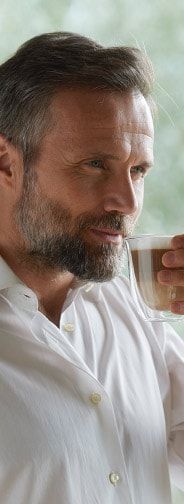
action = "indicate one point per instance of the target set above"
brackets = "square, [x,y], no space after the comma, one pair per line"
[114,221]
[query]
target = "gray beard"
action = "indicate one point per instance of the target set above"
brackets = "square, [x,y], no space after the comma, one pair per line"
[85,262]
[53,242]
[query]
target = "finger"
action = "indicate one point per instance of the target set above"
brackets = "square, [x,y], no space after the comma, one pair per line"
[171,277]
[174,258]
[177,241]
[178,307]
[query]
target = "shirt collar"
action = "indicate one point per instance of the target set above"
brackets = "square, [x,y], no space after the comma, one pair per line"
[15,290]
[7,276]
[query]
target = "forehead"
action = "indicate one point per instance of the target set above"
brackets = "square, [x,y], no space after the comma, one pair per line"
[98,117]
[80,107]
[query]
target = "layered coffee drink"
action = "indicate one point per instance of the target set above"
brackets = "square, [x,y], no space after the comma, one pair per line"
[147,262]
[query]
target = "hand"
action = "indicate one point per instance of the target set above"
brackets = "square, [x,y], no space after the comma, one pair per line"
[174,259]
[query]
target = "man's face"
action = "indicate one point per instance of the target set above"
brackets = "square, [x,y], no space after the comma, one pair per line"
[85,192]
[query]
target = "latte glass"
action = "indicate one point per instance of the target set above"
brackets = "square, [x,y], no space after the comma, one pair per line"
[152,299]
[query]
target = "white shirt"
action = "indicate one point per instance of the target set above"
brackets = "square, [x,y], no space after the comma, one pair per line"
[91,412]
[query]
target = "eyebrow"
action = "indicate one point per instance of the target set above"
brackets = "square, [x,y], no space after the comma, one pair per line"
[104,155]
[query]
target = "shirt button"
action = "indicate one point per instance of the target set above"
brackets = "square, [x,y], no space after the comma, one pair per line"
[95,398]
[69,327]
[114,478]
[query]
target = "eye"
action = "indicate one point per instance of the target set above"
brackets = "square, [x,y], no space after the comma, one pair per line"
[139,170]
[95,163]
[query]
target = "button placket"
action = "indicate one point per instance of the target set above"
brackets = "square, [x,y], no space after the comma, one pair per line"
[96,398]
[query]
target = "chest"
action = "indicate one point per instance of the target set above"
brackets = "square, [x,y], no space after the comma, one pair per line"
[48,415]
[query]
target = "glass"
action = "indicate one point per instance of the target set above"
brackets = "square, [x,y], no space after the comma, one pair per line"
[152,299]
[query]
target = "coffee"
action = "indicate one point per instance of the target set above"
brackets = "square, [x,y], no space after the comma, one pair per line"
[147,263]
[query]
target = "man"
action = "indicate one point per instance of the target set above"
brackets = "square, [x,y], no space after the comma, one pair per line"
[92,404]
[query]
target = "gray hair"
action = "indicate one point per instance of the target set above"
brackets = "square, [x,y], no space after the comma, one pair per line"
[48,62]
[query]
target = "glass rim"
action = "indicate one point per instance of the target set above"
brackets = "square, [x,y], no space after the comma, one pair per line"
[135,237]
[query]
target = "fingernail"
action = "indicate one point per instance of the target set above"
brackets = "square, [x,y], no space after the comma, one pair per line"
[169,257]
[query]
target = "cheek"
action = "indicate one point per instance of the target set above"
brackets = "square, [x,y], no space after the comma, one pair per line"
[139,192]
[85,191]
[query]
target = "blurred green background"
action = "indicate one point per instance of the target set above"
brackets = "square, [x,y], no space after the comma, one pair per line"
[157,28]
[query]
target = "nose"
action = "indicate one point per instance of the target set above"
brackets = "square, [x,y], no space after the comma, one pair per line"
[120,196]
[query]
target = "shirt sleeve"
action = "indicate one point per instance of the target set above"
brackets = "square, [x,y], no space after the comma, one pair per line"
[174,356]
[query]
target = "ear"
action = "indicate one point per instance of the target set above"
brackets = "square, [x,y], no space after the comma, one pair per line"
[10,164]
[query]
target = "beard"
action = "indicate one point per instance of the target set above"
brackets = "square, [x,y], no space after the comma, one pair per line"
[54,240]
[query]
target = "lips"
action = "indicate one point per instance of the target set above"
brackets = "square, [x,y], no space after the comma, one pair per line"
[106,231]
[106,235]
